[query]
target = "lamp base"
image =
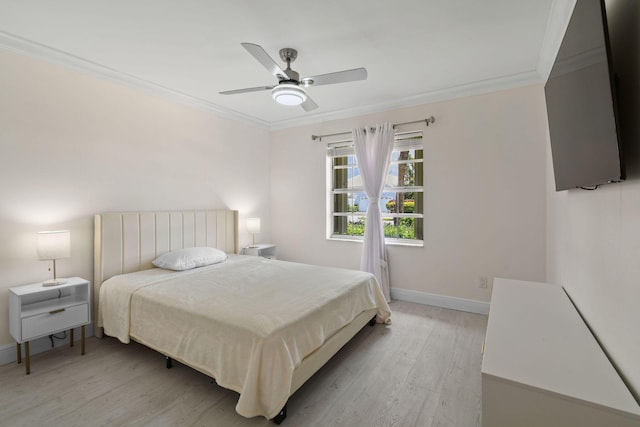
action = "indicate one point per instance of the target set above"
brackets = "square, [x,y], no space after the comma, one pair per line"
[54,282]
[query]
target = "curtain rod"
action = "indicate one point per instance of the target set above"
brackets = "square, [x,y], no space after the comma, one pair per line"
[427,121]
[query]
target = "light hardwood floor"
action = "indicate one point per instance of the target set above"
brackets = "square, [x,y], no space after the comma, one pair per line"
[423,370]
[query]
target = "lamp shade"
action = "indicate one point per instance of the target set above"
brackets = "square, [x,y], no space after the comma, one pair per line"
[54,244]
[253,225]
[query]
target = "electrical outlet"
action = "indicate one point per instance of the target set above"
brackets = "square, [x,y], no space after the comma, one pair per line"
[484,282]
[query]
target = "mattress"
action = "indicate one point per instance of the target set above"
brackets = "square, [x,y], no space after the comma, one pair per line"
[247,322]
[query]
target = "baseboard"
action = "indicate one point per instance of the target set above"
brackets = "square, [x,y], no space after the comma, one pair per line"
[461,304]
[8,352]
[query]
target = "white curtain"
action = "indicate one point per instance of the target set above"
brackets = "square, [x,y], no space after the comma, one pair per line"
[373,154]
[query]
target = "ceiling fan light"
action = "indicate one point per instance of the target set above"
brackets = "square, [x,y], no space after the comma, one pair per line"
[288,94]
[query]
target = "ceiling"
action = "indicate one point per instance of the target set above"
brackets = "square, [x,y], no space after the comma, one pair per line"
[415,51]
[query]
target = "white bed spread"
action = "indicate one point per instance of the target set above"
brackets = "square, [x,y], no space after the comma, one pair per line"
[247,322]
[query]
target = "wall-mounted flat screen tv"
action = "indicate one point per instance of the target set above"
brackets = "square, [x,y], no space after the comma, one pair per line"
[580,96]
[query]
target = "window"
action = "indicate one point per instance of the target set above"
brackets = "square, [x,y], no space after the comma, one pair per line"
[401,201]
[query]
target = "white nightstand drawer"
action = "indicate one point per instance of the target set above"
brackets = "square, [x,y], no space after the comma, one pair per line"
[56,320]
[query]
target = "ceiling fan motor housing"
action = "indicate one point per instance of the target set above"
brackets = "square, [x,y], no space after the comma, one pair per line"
[289,55]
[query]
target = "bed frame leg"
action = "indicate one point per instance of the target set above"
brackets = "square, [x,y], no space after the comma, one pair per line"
[169,362]
[372,322]
[281,415]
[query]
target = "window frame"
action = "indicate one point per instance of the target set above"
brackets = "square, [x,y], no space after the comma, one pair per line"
[405,141]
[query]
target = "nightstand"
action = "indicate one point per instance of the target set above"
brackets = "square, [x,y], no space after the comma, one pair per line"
[265,250]
[36,311]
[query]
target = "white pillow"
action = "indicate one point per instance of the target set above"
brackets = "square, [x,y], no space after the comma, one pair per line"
[185,259]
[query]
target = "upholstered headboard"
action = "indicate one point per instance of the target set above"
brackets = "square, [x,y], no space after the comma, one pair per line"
[125,242]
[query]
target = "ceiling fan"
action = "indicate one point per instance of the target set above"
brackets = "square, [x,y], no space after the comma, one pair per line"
[290,89]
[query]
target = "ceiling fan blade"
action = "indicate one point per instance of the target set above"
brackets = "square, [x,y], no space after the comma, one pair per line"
[263,57]
[309,105]
[249,89]
[337,77]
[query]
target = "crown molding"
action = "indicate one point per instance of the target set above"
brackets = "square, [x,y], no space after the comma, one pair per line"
[21,46]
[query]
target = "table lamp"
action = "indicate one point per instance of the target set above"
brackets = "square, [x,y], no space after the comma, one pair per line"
[253,227]
[53,245]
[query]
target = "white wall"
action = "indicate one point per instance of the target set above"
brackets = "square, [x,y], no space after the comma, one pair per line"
[484,200]
[594,236]
[72,146]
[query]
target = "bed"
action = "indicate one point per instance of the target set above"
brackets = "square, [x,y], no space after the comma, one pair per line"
[259,327]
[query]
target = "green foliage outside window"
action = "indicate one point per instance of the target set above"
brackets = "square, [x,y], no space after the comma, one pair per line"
[404,230]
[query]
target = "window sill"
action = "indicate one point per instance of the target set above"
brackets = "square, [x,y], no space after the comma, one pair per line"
[388,242]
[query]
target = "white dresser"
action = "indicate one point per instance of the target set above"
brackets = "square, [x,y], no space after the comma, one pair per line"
[543,367]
